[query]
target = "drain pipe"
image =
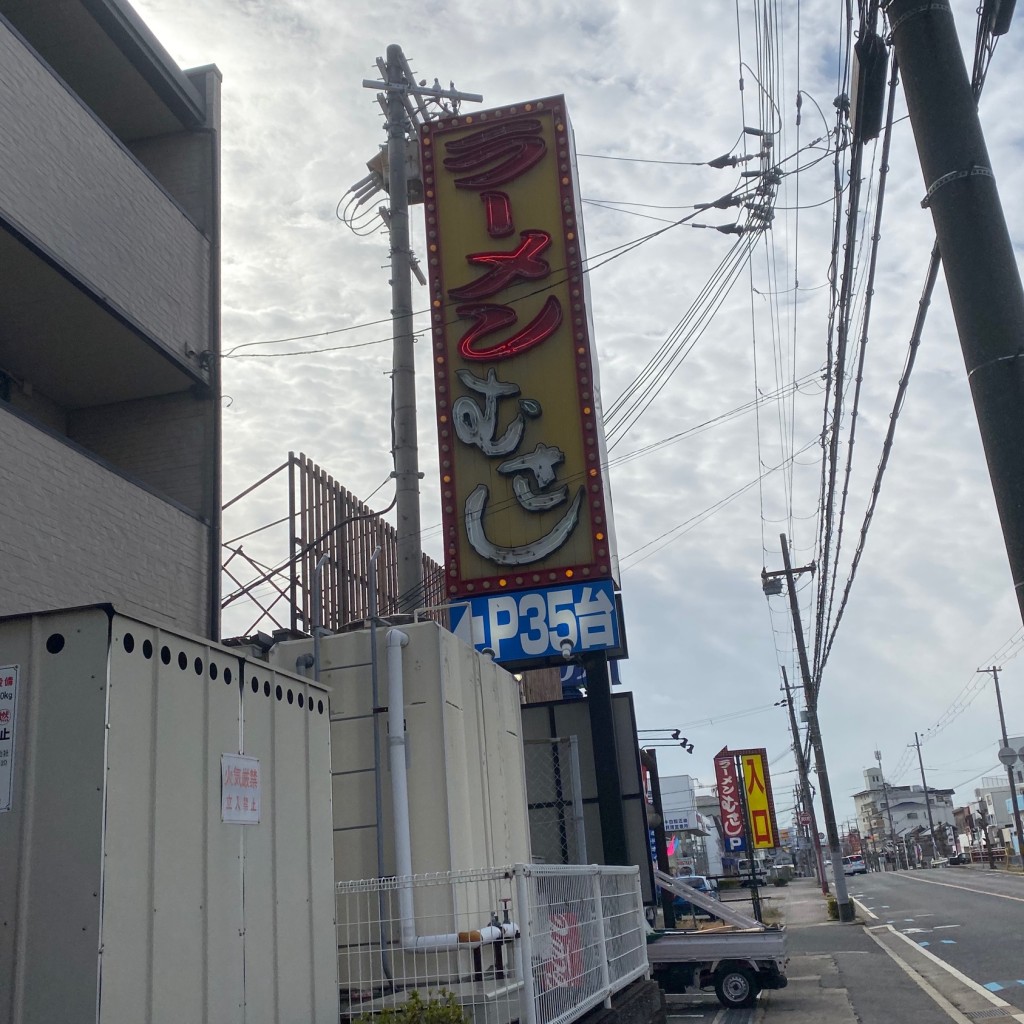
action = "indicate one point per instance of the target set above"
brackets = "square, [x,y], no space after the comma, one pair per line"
[378,768]
[393,643]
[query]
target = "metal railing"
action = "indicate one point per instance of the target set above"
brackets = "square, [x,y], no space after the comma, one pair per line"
[540,944]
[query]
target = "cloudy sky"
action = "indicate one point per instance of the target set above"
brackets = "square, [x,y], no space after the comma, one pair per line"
[654,93]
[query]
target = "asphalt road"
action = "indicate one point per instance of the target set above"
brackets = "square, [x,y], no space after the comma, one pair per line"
[971,918]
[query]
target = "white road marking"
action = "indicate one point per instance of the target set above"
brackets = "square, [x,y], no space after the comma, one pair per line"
[951,1011]
[967,888]
[960,976]
[938,926]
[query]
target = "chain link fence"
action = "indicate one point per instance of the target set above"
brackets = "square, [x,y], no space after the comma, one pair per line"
[555,803]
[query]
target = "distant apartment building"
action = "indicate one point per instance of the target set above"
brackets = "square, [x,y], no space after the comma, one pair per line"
[109,317]
[909,807]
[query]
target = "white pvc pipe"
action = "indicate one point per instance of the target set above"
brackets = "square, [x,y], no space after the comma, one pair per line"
[394,642]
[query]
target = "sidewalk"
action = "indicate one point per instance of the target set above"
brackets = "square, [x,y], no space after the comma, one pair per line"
[861,973]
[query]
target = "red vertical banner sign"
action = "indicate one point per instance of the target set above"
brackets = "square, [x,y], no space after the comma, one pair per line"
[730,803]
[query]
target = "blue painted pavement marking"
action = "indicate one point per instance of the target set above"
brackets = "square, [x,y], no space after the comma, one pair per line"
[993,986]
[928,943]
[952,942]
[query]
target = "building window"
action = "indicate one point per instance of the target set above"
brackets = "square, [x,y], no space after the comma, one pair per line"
[911,814]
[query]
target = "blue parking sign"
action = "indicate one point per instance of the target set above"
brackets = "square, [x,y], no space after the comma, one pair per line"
[540,626]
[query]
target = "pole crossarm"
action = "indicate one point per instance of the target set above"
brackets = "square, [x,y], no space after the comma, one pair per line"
[412,89]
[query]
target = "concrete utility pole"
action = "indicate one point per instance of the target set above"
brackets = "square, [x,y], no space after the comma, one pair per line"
[927,801]
[977,255]
[403,102]
[805,784]
[843,902]
[888,807]
[403,381]
[994,670]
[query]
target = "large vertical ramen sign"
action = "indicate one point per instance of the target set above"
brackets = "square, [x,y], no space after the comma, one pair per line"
[529,544]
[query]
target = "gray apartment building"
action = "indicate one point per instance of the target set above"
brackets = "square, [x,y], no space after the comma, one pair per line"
[109,318]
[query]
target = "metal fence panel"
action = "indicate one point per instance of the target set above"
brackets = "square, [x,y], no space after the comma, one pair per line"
[540,944]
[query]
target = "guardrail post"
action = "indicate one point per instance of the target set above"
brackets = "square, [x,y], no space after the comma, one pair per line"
[528,996]
[602,942]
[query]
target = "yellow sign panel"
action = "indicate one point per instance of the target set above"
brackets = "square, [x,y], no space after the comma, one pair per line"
[764,833]
[518,409]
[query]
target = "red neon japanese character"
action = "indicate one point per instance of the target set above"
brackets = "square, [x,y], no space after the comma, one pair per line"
[517,146]
[490,318]
[506,267]
[498,210]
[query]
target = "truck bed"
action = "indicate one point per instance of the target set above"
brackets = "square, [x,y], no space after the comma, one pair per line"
[680,946]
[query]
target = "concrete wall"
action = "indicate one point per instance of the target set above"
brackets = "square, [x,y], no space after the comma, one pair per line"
[72,533]
[71,187]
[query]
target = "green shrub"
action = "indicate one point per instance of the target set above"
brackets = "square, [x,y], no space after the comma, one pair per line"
[833,908]
[442,1008]
[780,880]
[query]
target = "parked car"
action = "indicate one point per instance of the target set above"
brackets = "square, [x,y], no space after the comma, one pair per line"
[681,905]
[854,865]
[760,872]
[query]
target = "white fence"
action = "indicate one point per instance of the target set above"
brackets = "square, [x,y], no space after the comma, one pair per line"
[539,944]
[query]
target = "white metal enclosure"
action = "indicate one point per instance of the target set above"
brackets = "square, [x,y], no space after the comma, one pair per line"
[466,782]
[460,805]
[125,897]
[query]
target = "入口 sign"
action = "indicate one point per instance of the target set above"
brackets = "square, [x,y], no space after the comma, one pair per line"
[8,721]
[522,451]
[760,806]
[241,796]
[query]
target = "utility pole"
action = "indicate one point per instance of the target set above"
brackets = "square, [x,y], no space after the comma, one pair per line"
[845,906]
[402,100]
[403,380]
[977,254]
[888,807]
[1004,756]
[805,784]
[927,801]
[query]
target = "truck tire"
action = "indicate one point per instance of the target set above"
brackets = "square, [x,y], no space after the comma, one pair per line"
[736,986]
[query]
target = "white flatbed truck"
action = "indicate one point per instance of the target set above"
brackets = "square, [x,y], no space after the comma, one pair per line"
[738,963]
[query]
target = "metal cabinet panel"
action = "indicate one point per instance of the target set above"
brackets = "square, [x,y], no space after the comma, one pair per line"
[119,843]
[53,831]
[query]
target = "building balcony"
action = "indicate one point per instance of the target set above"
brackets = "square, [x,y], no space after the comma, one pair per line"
[107,193]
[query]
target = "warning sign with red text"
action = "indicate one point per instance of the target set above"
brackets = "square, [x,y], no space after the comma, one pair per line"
[240,793]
